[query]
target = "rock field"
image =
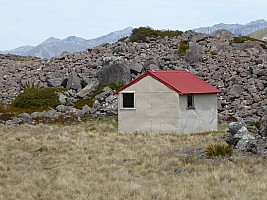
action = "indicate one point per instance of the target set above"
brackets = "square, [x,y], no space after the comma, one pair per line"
[237,69]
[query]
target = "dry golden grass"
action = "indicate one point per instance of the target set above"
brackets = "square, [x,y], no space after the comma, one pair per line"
[93,161]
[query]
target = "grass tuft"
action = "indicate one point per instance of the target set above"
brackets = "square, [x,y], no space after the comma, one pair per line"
[218,150]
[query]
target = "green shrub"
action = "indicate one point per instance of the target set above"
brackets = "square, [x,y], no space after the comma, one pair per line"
[251,127]
[184,45]
[82,102]
[6,116]
[218,150]
[1,107]
[10,111]
[142,33]
[251,130]
[90,100]
[211,52]
[40,98]
[241,39]
[27,59]
[257,124]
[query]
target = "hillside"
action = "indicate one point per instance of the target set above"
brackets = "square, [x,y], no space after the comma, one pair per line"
[235,65]
[260,34]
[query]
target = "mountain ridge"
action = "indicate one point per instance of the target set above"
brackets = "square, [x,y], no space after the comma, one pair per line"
[237,29]
[52,46]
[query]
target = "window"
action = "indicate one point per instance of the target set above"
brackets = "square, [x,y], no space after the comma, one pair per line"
[190,101]
[128,100]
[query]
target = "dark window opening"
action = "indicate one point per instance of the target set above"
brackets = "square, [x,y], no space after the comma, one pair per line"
[128,100]
[190,101]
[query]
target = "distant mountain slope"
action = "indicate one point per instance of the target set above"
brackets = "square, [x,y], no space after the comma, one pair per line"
[18,51]
[111,37]
[237,29]
[54,46]
[260,34]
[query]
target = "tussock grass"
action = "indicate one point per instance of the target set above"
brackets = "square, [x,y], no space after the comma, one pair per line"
[218,150]
[93,161]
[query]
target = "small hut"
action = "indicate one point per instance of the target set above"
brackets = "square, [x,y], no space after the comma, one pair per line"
[172,101]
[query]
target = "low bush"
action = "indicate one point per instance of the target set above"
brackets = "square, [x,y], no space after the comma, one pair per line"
[241,39]
[213,53]
[39,98]
[142,33]
[254,127]
[27,59]
[82,102]
[218,150]
[251,129]
[2,108]
[257,124]
[9,111]
[6,116]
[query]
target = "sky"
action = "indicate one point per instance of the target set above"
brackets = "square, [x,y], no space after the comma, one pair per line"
[30,22]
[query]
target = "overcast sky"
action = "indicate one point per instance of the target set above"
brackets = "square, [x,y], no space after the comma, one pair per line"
[30,22]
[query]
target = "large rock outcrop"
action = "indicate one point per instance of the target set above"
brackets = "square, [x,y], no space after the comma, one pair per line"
[115,72]
[245,141]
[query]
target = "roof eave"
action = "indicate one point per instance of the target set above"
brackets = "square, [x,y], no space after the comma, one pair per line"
[131,83]
[150,73]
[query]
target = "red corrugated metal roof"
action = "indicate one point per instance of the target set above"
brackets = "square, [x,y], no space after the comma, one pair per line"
[181,81]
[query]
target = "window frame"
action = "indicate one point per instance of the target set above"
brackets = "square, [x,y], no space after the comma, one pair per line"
[192,105]
[122,99]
